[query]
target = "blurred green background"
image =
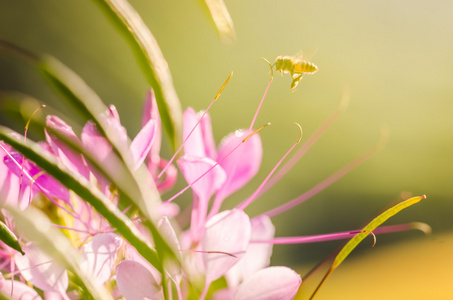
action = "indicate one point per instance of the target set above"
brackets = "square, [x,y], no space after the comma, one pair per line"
[396,58]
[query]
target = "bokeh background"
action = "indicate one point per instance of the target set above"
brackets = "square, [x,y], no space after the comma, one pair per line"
[396,59]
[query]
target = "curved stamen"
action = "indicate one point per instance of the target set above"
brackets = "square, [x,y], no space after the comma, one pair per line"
[310,142]
[23,156]
[250,199]
[331,179]
[425,228]
[217,252]
[216,164]
[264,96]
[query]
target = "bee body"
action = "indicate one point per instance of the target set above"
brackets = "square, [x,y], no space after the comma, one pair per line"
[294,66]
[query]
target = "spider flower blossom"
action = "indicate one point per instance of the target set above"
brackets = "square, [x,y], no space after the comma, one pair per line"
[215,244]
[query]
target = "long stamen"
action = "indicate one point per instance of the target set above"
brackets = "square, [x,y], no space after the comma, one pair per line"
[250,199]
[308,239]
[190,133]
[345,234]
[309,143]
[27,125]
[331,179]
[69,228]
[216,252]
[33,182]
[217,163]
[265,93]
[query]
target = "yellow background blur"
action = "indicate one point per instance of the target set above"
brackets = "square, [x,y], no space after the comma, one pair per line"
[395,56]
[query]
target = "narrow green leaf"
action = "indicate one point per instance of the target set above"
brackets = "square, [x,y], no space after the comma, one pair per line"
[352,243]
[35,227]
[152,61]
[85,191]
[86,101]
[9,238]
[83,97]
[347,249]
[222,19]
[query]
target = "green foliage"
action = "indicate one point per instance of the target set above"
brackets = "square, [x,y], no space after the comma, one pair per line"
[152,61]
[9,238]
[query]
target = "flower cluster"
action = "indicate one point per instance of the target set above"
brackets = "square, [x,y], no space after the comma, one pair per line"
[217,244]
[215,253]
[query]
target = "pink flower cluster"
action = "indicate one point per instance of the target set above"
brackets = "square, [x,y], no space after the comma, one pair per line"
[216,244]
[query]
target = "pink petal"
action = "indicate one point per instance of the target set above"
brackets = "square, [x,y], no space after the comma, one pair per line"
[171,175]
[47,183]
[12,192]
[112,112]
[71,159]
[19,290]
[99,255]
[50,295]
[201,141]
[194,167]
[39,268]
[223,294]
[228,232]
[194,146]
[257,256]
[273,283]
[168,233]
[170,210]
[133,255]
[151,112]
[208,137]
[142,143]
[242,164]
[173,269]
[135,282]
[96,144]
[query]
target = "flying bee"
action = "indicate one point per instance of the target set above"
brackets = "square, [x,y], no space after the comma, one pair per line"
[296,66]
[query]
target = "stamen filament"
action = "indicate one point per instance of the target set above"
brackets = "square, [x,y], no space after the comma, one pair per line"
[264,96]
[329,180]
[33,182]
[216,164]
[250,199]
[345,234]
[23,156]
[309,142]
[308,239]
[70,228]
[218,252]
[193,129]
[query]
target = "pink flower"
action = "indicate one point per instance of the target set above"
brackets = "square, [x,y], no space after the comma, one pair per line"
[230,172]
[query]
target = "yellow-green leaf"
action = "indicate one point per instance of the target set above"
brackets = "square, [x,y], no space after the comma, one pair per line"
[347,249]
[9,238]
[368,229]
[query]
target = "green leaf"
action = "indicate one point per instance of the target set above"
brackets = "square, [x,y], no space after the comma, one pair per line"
[365,231]
[9,238]
[35,227]
[86,191]
[151,60]
[222,19]
[134,186]
[347,249]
